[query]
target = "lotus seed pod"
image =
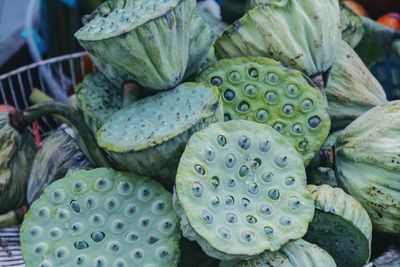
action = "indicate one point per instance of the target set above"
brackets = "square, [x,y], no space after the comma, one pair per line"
[150,135]
[302,33]
[200,43]
[147,39]
[58,155]
[341,226]
[104,218]
[240,190]
[351,25]
[217,26]
[263,90]
[299,253]
[97,99]
[367,164]
[17,151]
[351,88]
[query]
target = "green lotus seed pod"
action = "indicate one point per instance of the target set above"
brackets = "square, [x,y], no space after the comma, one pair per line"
[351,25]
[147,39]
[367,164]
[297,253]
[58,155]
[302,33]
[351,88]
[97,99]
[263,90]
[150,135]
[241,190]
[17,151]
[341,226]
[104,218]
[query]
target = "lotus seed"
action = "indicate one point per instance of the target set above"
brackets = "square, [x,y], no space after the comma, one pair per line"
[77,228]
[137,254]
[229,95]
[307,104]
[297,129]
[55,233]
[281,161]
[289,181]
[251,219]
[250,90]
[118,226]
[125,188]
[62,253]
[152,240]
[96,220]
[243,171]
[75,206]
[159,207]
[293,203]
[216,81]
[41,248]
[314,122]
[100,262]
[243,106]
[279,127]
[221,140]
[162,253]
[44,213]
[285,221]
[227,117]
[91,203]
[288,110]
[303,145]
[272,78]
[58,196]
[268,231]
[252,188]
[197,189]
[256,163]
[273,194]
[215,181]
[267,177]
[144,194]
[266,209]
[97,236]
[199,169]
[131,237]
[247,236]
[235,76]
[81,260]
[144,222]
[63,214]
[293,90]
[207,217]
[103,184]
[230,160]
[271,97]
[244,142]
[214,202]
[224,233]
[36,231]
[245,202]
[209,154]
[81,244]
[253,73]
[120,263]
[262,115]
[229,201]
[130,210]
[230,183]
[231,218]
[264,145]
[111,204]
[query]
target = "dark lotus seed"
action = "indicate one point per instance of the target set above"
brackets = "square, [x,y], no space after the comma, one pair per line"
[271,97]
[229,201]
[281,161]
[214,202]
[251,219]
[256,163]
[224,233]
[253,73]
[40,248]
[235,76]
[230,183]
[36,231]
[209,154]
[152,240]
[227,117]
[307,104]
[279,127]
[252,188]
[289,181]
[314,122]
[58,196]
[245,202]
[75,206]
[288,109]
[294,203]
[250,90]
[243,171]
[77,227]
[197,189]
[273,194]
[216,81]
[63,214]
[55,233]
[266,210]
[81,244]
[243,106]
[264,145]
[293,90]
[199,169]
[111,204]
[231,218]
[44,213]
[229,95]
[117,226]
[244,142]
[303,145]
[247,236]
[273,78]
[268,231]
[297,129]
[207,217]
[230,160]
[262,115]
[144,194]
[285,221]
[215,181]
[61,252]
[221,140]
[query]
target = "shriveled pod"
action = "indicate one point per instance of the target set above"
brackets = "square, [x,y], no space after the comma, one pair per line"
[351,25]
[149,40]
[240,190]
[341,226]
[264,91]
[102,218]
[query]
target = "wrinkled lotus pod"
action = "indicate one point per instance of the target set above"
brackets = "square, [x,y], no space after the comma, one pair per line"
[98,99]
[341,226]
[351,25]
[101,218]
[265,91]
[58,155]
[17,151]
[147,39]
[217,26]
[351,88]
[297,253]
[200,43]
[241,190]
[150,135]
[302,33]
[367,164]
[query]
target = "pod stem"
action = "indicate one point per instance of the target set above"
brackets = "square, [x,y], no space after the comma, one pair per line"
[85,139]
[13,217]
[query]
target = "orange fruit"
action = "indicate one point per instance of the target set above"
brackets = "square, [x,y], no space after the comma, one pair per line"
[391,20]
[357,8]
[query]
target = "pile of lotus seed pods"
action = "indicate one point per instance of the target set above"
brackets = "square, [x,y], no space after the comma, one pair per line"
[219,155]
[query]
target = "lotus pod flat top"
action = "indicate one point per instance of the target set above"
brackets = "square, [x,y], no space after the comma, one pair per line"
[156,119]
[302,33]
[242,188]
[101,218]
[263,90]
[116,17]
[299,253]
[98,99]
[345,224]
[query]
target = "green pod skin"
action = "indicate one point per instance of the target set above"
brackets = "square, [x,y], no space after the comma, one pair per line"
[351,25]
[17,151]
[152,143]
[351,89]
[302,34]
[58,155]
[299,253]
[147,39]
[341,226]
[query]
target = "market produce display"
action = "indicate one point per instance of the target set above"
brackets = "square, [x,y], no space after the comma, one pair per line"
[197,143]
